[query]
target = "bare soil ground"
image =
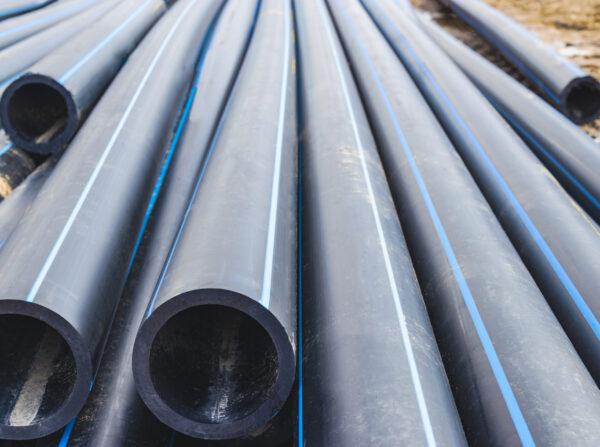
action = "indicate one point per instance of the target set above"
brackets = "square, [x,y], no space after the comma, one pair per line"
[570,27]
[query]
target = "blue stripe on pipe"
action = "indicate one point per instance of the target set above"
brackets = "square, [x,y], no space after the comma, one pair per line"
[507,52]
[5,149]
[416,381]
[64,440]
[548,155]
[85,59]
[522,214]
[12,78]
[486,341]
[46,18]
[67,227]
[16,11]
[265,298]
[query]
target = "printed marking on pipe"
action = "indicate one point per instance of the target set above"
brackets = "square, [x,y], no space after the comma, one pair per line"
[429,435]
[270,249]
[67,227]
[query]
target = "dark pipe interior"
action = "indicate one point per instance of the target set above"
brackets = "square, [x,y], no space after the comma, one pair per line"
[583,100]
[37,112]
[37,370]
[213,364]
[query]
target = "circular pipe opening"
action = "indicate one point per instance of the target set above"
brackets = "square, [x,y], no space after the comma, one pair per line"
[38,113]
[213,364]
[582,100]
[38,371]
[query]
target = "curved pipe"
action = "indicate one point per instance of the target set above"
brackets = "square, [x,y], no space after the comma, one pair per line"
[558,243]
[18,57]
[477,289]
[11,8]
[230,279]
[566,150]
[18,28]
[571,90]
[63,268]
[371,371]
[114,413]
[43,108]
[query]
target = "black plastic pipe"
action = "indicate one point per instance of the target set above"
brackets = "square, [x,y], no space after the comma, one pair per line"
[114,413]
[566,150]
[371,370]
[18,57]
[493,325]
[42,109]
[11,8]
[18,28]
[230,281]
[14,207]
[64,267]
[569,88]
[558,242]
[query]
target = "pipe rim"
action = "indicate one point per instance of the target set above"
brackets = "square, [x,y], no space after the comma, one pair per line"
[226,298]
[566,97]
[61,138]
[83,364]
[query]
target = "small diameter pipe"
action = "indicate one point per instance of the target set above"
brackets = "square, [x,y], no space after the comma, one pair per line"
[11,8]
[566,150]
[42,109]
[114,413]
[575,93]
[18,28]
[372,373]
[64,267]
[557,241]
[230,280]
[493,325]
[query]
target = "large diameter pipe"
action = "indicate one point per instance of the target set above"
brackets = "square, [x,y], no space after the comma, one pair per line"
[21,27]
[18,57]
[11,8]
[42,109]
[574,92]
[64,267]
[230,281]
[478,291]
[558,242]
[14,207]
[114,413]
[566,150]
[371,370]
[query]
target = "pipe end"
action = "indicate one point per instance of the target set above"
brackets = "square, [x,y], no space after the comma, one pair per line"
[232,379]
[580,100]
[46,371]
[39,114]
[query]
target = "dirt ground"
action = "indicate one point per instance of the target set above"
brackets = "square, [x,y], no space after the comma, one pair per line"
[570,27]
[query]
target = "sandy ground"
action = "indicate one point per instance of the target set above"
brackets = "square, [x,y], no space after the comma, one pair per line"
[570,27]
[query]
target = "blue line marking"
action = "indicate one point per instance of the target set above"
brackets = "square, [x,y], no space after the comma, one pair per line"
[85,59]
[414,373]
[5,149]
[507,53]
[64,440]
[270,248]
[67,227]
[525,219]
[12,78]
[16,11]
[201,175]
[46,18]
[538,145]
[493,359]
